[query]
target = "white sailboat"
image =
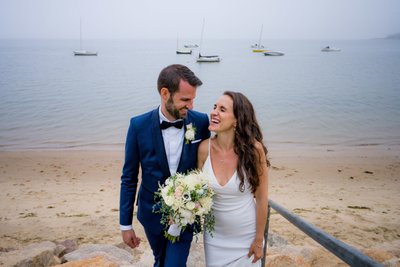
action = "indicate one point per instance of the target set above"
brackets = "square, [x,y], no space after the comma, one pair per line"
[259,48]
[81,52]
[273,53]
[207,58]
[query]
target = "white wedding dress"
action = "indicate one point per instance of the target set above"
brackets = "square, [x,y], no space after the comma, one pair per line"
[235,223]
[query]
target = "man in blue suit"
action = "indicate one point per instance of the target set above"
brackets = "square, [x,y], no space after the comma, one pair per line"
[156,143]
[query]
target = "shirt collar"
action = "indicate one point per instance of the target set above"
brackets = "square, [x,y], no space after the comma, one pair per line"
[163,118]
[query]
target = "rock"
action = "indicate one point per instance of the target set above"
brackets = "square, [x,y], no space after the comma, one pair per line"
[60,251]
[109,252]
[70,245]
[98,261]
[41,254]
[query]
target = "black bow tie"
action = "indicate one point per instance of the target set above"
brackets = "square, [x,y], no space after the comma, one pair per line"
[176,124]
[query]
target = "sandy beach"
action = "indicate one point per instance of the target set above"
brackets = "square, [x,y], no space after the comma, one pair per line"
[351,193]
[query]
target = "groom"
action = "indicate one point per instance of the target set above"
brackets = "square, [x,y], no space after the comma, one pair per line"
[156,143]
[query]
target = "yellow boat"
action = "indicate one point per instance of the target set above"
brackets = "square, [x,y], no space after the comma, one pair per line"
[259,50]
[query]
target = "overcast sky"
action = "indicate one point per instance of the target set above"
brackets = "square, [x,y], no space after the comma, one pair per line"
[127,19]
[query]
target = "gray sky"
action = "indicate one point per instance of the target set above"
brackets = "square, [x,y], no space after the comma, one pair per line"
[237,19]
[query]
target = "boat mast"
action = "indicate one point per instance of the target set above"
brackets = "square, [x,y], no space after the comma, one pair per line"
[201,37]
[80,34]
[259,40]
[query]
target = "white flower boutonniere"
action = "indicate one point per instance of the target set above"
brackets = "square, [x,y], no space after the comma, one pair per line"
[190,133]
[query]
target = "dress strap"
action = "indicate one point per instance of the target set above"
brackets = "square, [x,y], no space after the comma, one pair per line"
[209,146]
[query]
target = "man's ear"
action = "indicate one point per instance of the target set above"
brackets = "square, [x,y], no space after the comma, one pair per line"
[164,93]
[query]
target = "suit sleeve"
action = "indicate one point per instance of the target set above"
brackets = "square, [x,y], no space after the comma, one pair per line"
[206,133]
[129,178]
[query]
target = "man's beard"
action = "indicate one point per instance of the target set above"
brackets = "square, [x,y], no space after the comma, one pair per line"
[170,107]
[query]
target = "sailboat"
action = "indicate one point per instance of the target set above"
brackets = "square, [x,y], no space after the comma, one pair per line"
[81,52]
[258,48]
[184,51]
[203,58]
[273,53]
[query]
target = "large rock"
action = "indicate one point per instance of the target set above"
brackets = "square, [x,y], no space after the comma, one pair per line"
[35,255]
[70,245]
[109,252]
[97,261]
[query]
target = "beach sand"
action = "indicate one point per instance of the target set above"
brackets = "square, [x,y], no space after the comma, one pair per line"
[351,193]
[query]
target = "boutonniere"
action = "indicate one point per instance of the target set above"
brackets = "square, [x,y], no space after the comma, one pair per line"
[190,133]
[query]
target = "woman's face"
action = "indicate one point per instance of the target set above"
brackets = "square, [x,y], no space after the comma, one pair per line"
[222,117]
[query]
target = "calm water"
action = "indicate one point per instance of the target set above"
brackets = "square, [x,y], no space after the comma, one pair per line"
[51,99]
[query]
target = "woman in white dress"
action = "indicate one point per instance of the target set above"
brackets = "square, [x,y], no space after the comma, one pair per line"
[236,160]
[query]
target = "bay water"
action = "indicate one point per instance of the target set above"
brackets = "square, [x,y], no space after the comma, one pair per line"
[51,99]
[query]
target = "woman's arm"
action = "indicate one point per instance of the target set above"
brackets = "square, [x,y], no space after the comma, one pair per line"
[261,195]
[202,153]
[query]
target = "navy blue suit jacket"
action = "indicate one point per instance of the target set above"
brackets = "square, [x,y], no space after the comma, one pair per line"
[145,148]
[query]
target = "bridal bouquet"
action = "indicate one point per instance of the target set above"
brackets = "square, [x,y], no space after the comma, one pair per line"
[185,200]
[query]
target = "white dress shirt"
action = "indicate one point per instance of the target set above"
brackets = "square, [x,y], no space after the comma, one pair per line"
[173,144]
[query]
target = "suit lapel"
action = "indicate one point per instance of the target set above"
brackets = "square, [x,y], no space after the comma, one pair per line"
[159,143]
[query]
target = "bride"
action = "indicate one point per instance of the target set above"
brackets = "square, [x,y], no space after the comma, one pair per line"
[236,161]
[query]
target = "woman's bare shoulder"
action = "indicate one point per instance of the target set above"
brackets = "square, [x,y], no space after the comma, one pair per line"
[203,147]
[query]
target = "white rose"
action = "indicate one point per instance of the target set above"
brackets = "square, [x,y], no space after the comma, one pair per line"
[190,205]
[169,200]
[206,203]
[164,192]
[186,216]
[189,135]
[191,181]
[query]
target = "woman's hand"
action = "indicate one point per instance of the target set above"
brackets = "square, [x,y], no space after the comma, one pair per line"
[256,249]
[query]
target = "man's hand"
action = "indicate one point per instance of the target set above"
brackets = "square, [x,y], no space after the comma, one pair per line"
[129,238]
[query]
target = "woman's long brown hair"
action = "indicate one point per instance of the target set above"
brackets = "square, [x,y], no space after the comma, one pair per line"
[247,131]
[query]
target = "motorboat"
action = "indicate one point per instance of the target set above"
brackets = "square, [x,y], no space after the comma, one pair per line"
[330,49]
[191,46]
[273,53]
[84,53]
[184,51]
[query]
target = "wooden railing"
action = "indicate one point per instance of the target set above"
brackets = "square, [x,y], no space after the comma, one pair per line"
[348,254]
